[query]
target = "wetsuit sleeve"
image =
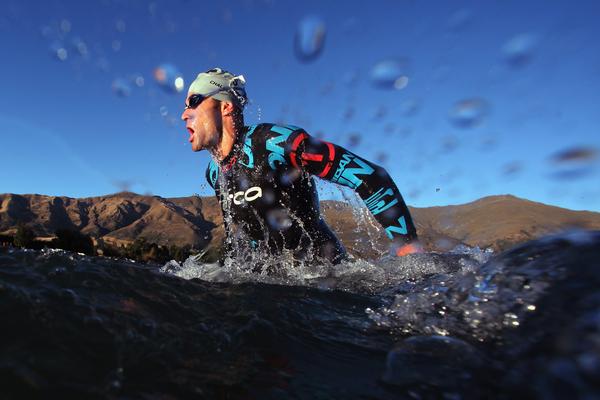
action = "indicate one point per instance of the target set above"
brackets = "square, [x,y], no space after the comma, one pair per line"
[372,182]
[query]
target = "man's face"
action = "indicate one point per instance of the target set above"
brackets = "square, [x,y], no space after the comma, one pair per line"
[204,124]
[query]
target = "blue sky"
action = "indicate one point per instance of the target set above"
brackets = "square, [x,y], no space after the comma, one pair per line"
[530,68]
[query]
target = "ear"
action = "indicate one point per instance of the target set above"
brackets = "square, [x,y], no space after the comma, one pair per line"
[227,108]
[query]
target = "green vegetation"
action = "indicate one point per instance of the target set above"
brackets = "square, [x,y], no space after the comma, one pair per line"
[6,240]
[67,239]
[24,237]
[143,250]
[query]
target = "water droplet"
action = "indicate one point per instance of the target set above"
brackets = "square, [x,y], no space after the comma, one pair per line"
[309,39]
[354,139]
[179,83]
[349,113]
[469,113]
[518,51]
[488,143]
[350,25]
[169,78]
[123,185]
[380,112]
[116,45]
[121,88]
[409,107]
[227,15]
[390,74]
[572,173]
[164,111]
[405,131]
[401,83]
[459,20]
[139,81]
[350,78]
[65,26]
[120,25]
[389,128]
[59,51]
[290,177]
[574,163]
[279,219]
[381,157]
[449,143]
[512,168]
[152,7]
[269,196]
[575,155]
[46,31]
[79,46]
[327,88]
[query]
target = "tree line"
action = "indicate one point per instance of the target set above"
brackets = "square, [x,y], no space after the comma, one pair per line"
[71,240]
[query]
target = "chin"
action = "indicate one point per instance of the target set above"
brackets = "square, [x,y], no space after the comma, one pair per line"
[197,147]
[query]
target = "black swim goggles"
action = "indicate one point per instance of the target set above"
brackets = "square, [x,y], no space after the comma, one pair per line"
[194,101]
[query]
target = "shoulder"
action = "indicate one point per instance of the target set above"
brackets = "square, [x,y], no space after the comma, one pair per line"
[268,131]
[272,142]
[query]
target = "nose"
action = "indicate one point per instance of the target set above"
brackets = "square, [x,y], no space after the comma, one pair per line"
[184,115]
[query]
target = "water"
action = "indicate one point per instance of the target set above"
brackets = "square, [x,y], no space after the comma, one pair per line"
[309,39]
[391,74]
[463,324]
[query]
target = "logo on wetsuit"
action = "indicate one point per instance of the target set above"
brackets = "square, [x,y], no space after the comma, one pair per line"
[249,195]
[348,176]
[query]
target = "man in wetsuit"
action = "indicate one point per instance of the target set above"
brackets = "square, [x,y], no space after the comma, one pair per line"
[263,176]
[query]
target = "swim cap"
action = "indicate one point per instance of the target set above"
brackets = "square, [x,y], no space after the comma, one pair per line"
[220,85]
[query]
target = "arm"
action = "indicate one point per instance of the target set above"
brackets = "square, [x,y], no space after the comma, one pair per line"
[372,183]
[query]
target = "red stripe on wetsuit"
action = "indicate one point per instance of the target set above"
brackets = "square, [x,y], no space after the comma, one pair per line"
[306,157]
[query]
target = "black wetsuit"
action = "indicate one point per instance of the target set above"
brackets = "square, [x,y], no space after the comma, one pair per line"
[266,190]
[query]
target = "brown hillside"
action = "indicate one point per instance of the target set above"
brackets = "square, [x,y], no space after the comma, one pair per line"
[496,221]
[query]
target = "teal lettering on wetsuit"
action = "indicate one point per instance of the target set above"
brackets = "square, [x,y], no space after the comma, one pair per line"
[248,148]
[397,229]
[276,151]
[347,176]
[213,173]
[254,196]
[376,204]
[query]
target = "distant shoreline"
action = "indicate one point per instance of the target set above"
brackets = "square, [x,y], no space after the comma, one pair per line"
[162,225]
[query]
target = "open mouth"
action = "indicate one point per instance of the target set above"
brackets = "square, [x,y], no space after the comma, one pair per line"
[191,131]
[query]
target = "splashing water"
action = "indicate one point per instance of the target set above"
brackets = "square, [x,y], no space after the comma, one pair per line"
[462,324]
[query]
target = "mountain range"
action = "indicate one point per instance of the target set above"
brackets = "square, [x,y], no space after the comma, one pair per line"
[496,222]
